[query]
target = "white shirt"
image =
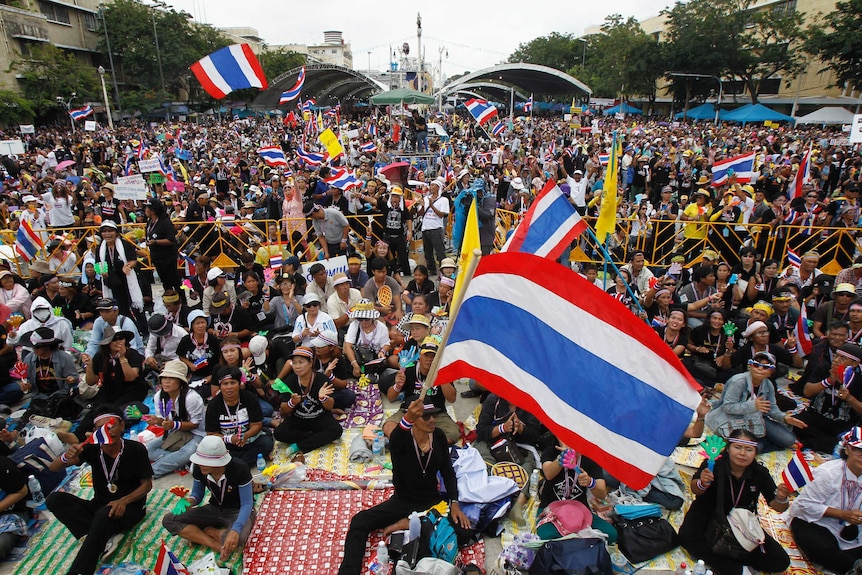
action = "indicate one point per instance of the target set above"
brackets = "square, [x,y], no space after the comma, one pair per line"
[578,191]
[59,210]
[824,492]
[169,343]
[194,407]
[375,340]
[431,221]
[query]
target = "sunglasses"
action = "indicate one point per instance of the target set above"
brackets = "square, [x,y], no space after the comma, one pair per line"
[812,197]
[759,365]
[428,416]
[312,304]
[669,284]
[840,294]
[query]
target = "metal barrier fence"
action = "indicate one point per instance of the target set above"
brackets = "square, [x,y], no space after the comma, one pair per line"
[660,240]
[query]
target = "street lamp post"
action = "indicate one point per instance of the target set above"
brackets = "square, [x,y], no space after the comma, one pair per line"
[68,105]
[105,96]
[156,38]
[584,54]
[720,88]
[110,56]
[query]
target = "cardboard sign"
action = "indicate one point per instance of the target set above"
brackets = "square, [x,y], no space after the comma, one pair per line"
[90,126]
[131,188]
[27,128]
[332,265]
[151,165]
[156,178]
[9,147]
[856,129]
[353,134]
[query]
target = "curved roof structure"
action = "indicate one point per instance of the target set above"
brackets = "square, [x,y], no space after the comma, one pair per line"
[326,83]
[524,78]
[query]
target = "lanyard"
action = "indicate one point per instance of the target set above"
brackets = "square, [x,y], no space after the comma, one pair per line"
[234,417]
[223,482]
[424,465]
[110,476]
[735,498]
[850,491]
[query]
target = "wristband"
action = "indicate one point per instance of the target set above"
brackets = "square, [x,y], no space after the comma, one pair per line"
[406,424]
[290,404]
[331,377]
[592,483]
[792,349]
[228,439]
[177,425]
[825,383]
[700,485]
[354,361]
[502,429]
[398,387]
[64,459]
[785,500]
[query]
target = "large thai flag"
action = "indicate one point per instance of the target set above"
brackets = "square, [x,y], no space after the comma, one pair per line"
[231,68]
[293,93]
[498,128]
[168,564]
[545,339]
[368,147]
[27,242]
[342,179]
[802,333]
[481,110]
[802,177]
[311,158]
[273,155]
[741,166]
[548,227]
[81,113]
[797,474]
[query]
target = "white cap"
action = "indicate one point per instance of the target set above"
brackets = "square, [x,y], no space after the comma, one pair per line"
[257,346]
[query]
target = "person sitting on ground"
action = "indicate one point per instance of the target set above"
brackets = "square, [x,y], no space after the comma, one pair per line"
[500,420]
[836,309]
[109,315]
[234,415]
[824,523]
[14,295]
[757,340]
[232,356]
[367,339]
[15,515]
[229,319]
[675,332]
[162,344]
[175,309]
[49,370]
[379,269]
[217,283]
[410,382]
[254,299]
[180,412]
[225,522]
[750,397]
[311,322]
[74,306]
[785,313]
[122,478]
[706,342]
[738,481]
[200,351]
[331,361]
[836,401]
[321,284]
[420,284]
[760,311]
[42,315]
[340,303]
[358,277]
[419,452]
[307,406]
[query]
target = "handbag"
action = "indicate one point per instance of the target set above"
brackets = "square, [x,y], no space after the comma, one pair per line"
[364,354]
[645,538]
[176,439]
[572,557]
[719,534]
[505,450]
[751,422]
[568,516]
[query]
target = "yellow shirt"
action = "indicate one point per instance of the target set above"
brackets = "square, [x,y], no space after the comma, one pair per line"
[691,229]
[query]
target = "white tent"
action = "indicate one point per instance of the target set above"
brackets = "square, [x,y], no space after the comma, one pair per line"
[827,115]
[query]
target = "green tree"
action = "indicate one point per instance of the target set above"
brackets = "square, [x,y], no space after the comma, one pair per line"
[277,62]
[560,51]
[49,72]
[14,108]
[838,42]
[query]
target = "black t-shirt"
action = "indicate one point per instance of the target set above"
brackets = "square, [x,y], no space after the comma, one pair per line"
[12,479]
[237,320]
[425,288]
[701,337]
[205,356]
[114,384]
[163,229]
[413,384]
[411,482]
[229,420]
[394,220]
[342,368]
[133,467]
[755,481]
[310,407]
[681,339]
[225,493]
[564,486]
[110,209]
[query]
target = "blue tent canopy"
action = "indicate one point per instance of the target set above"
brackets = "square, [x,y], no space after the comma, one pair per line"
[755,113]
[625,108]
[702,112]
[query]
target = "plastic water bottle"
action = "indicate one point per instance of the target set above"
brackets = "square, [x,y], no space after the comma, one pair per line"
[261,462]
[383,558]
[700,567]
[534,483]
[415,526]
[681,569]
[377,448]
[709,572]
[36,495]
[133,435]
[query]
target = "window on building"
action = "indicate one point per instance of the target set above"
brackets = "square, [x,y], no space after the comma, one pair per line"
[55,12]
[334,51]
[90,21]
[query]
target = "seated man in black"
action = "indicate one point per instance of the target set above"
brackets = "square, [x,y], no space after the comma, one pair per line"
[228,319]
[122,477]
[820,359]
[500,421]
[419,451]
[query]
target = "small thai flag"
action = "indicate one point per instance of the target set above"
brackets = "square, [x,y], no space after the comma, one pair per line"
[793,258]
[802,333]
[81,113]
[141,149]
[368,147]
[797,473]
[179,139]
[604,159]
[568,151]
[293,93]
[308,105]
[168,564]
[481,110]
[372,129]
[128,167]
[498,128]
[528,105]
[102,436]
[273,155]
[311,158]
[450,174]
[343,179]
[27,242]
[275,261]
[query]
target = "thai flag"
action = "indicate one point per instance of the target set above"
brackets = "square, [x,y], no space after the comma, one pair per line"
[450,174]
[604,159]
[342,179]
[481,110]
[498,128]
[275,261]
[790,217]
[81,113]
[551,151]
[741,166]
[179,139]
[128,166]
[311,158]
[793,258]
[188,263]
[368,147]
[273,155]
[293,93]
[802,177]
[569,151]
[334,111]
[528,105]
[141,149]
[102,436]
[168,564]
[372,129]
[308,105]
[27,242]
[548,227]
[797,474]
[572,328]
[231,68]
[802,333]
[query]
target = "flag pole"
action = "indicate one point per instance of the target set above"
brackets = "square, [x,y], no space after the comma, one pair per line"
[607,258]
[456,307]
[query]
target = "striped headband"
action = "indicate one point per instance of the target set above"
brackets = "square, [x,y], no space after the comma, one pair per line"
[742,441]
[660,292]
[226,377]
[856,304]
[844,354]
[231,346]
[108,415]
[213,456]
[303,351]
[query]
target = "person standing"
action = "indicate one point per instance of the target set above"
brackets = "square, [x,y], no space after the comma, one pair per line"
[162,242]
[435,215]
[397,226]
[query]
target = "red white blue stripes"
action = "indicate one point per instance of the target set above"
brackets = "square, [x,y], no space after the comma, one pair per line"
[232,68]
[272,155]
[481,110]
[797,474]
[27,242]
[311,158]
[343,179]
[802,177]
[548,227]
[368,147]
[498,128]
[81,113]
[294,92]
[740,166]
[604,384]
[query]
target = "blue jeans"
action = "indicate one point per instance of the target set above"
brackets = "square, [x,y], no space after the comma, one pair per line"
[165,462]
[11,393]
[422,141]
[778,436]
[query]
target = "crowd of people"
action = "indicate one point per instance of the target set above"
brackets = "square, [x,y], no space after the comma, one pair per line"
[258,355]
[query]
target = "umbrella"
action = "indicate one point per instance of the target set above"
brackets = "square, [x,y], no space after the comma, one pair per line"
[63,165]
[396,172]
[401,96]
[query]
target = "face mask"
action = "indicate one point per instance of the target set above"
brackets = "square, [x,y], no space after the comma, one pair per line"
[42,314]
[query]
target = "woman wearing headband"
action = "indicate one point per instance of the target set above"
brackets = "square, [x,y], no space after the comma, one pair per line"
[826,515]
[737,481]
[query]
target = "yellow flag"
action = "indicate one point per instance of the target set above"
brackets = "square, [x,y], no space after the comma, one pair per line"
[608,211]
[330,141]
[468,244]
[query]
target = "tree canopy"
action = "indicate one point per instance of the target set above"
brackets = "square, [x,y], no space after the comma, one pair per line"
[838,42]
[48,72]
[560,51]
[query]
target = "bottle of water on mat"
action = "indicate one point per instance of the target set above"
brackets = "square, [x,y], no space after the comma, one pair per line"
[37,498]
[261,462]
[383,558]
[377,447]
[534,483]
[700,567]
[681,569]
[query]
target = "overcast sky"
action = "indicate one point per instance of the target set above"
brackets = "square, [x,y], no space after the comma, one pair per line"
[476,35]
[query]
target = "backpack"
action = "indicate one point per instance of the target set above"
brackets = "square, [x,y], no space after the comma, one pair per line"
[443,540]
[34,458]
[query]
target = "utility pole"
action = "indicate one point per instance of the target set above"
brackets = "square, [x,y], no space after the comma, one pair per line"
[440,51]
[419,51]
